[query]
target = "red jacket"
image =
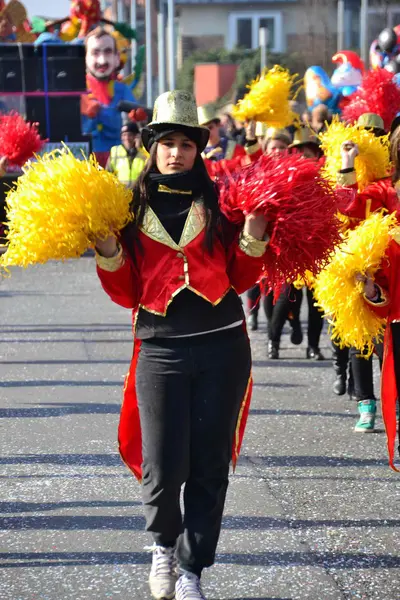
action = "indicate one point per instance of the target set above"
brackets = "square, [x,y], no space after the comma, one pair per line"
[164,268]
[376,196]
[161,271]
[388,280]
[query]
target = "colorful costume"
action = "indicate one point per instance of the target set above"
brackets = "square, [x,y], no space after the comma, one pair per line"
[164,270]
[106,125]
[388,305]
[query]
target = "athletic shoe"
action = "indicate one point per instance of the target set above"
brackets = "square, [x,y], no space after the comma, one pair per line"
[164,573]
[366,422]
[188,587]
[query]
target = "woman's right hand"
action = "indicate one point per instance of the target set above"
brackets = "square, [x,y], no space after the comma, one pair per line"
[368,285]
[349,150]
[108,247]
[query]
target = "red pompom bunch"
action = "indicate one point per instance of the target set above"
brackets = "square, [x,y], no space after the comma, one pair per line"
[378,94]
[19,140]
[300,207]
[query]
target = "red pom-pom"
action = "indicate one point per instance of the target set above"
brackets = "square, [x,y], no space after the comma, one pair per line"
[19,140]
[300,207]
[378,94]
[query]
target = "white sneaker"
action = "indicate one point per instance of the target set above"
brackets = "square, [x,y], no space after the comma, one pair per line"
[164,573]
[188,587]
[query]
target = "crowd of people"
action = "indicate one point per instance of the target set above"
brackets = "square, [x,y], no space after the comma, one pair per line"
[182,268]
[196,280]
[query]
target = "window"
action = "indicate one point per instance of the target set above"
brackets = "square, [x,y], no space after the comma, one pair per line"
[379,18]
[244,30]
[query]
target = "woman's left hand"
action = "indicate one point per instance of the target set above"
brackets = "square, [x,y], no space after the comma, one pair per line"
[255,225]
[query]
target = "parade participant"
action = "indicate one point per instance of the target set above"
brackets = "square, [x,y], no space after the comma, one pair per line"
[228,125]
[101,116]
[271,141]
[180,266]
[382,293]
[320,118]
[218,147]
[377,195]
[126,160]
[307,144]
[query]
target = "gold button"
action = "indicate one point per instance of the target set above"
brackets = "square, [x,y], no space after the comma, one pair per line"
[181,278]
[180,255]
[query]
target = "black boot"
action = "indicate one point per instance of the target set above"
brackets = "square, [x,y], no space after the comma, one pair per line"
[340,364]
[296,336]
[252,321]
[339,386]
[273,350]
[314,354]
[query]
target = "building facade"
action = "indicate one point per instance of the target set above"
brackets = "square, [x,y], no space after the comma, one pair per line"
[308,27]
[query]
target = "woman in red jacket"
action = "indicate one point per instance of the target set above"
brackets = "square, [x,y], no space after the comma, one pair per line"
[383,296]
[352,369]
[180,266]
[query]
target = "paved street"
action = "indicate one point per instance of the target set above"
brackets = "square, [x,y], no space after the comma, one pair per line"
[312,511]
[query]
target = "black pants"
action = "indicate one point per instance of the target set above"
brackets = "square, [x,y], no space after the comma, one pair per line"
[277,313]
[360,381]
[315,321]
[190,392]
[287,306]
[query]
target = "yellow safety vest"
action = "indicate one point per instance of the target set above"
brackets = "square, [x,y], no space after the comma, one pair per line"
[125,170]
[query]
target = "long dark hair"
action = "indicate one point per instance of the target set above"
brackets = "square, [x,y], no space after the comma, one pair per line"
[204,187]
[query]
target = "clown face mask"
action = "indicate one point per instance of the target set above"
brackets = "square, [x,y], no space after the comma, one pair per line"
[102,58]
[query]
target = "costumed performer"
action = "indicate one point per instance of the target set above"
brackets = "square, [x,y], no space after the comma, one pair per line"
[272,141]
[306,144]
[383,296]
[180,267]
[101,117]
[373,195]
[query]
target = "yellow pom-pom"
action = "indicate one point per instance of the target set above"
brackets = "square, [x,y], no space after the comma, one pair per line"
[59,207]
[268,99]
[372,163]
[308,280]
[352,322]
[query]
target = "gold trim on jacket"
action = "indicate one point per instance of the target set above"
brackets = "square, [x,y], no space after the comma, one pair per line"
[194,225]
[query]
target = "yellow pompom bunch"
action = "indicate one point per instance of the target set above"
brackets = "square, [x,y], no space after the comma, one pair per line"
[338,293]
[372,163]
[59,207]
[268,99]
[307,280]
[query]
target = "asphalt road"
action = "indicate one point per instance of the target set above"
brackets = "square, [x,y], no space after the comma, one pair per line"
[312,510]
